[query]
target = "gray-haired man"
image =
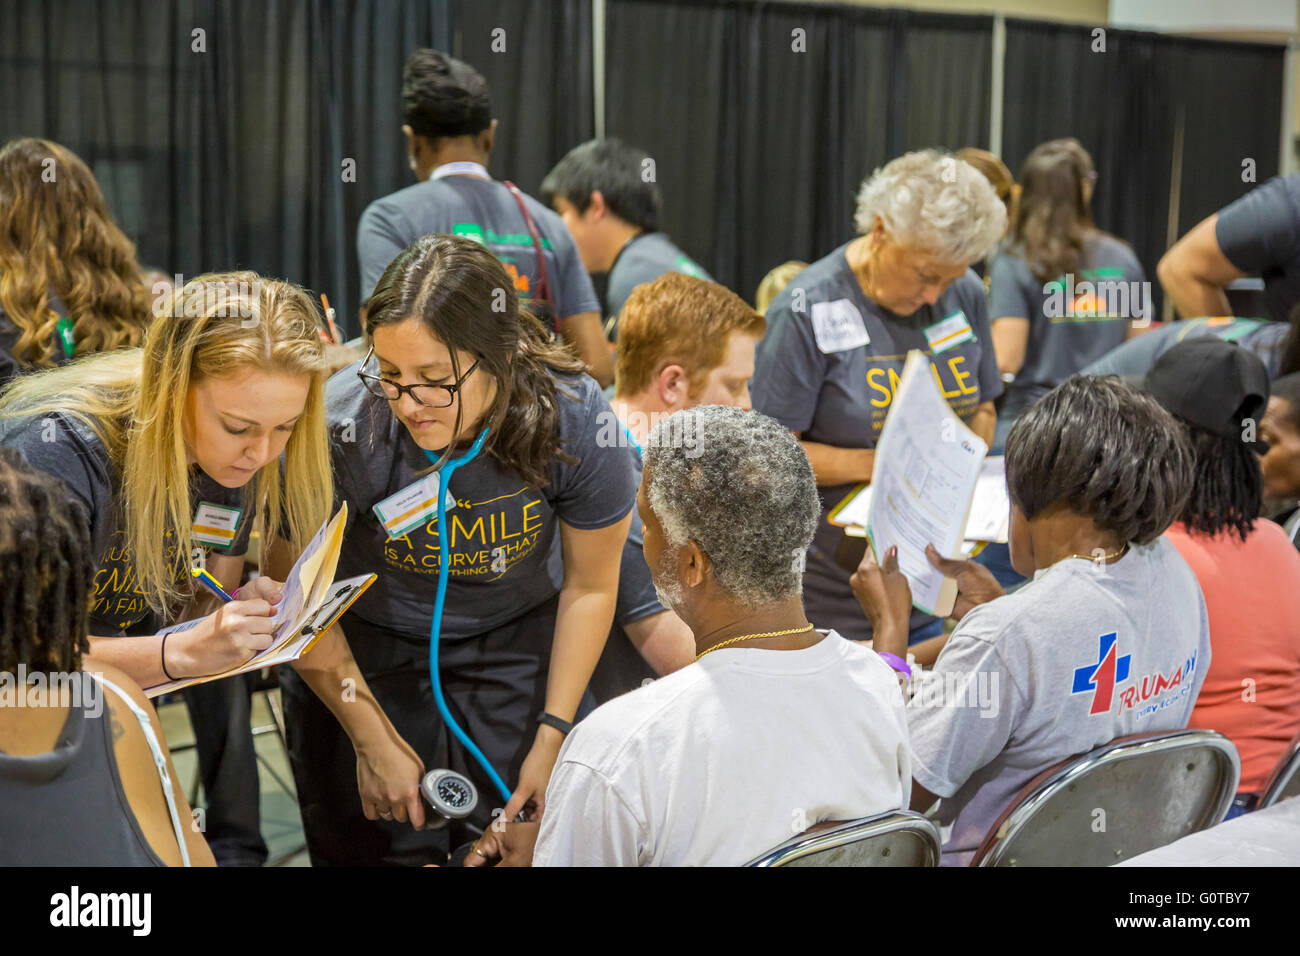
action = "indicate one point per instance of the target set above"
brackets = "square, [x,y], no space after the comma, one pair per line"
[775,726]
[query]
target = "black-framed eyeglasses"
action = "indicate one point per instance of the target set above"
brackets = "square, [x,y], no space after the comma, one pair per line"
[431,396]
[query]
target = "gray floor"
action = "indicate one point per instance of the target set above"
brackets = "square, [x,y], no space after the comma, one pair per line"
[281,824]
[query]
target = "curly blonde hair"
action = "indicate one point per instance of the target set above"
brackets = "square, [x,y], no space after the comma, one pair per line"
[58,240]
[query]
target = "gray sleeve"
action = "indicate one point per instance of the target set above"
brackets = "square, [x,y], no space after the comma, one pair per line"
[572,288]
[50,445]
[1261,230]
[977,313]
[1008,292]
[951,739]
[1136,356]
[601,488]
[789,369]
[637,597]
[380,238]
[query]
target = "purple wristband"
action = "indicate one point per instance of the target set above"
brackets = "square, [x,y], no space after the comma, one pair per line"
[897,663]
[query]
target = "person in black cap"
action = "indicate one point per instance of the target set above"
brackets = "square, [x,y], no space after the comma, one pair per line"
[447,109]
[1247,568]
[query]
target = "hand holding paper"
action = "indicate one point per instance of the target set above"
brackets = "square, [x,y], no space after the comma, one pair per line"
[926,468]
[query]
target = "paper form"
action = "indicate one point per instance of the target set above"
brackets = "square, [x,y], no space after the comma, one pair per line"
[926,467]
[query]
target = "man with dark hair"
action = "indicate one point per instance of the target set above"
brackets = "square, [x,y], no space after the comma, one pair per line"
[1109,638]
[605,192]
[1247,568]
[450,131]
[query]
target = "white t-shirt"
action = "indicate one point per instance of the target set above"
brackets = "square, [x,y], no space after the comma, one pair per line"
[728,757]
[1081,655]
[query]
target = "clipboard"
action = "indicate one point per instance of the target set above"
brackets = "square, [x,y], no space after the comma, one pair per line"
[313,601]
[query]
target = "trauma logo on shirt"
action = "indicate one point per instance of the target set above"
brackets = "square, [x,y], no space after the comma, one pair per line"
[484,538]
[1101,678]
[1112,669]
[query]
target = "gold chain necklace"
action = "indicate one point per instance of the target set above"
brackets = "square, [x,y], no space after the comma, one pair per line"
[754,637]
[1092,557]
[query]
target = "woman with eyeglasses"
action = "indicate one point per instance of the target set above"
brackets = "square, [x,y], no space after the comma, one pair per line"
[535,521]
[1062,292]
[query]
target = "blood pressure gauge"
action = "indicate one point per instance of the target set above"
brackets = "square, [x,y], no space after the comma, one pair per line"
[452,795]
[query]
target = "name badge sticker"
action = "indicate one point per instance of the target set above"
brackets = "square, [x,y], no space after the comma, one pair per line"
[215,525]
[412,506]
[949,332]
[838,326]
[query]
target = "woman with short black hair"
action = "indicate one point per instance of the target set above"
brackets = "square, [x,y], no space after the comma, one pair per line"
[1110,637]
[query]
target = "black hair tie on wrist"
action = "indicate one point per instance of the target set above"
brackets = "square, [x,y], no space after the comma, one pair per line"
[550,720]
[163,655]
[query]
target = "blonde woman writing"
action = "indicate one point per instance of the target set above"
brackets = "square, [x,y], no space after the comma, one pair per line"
[171,449]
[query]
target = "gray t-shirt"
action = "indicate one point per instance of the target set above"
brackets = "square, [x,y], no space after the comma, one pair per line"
[1136,356]
[643,258]
[1073,320]
[621,667]
[1260,234]
[1081,655]
[9,335]
[828,367]
[66,448]
[483,210]
[502,530]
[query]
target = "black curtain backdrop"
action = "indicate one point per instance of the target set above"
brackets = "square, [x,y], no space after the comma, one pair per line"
[1123,106]
[233,157]
[760,148]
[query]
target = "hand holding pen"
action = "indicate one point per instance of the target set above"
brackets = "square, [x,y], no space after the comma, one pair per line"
[241,627]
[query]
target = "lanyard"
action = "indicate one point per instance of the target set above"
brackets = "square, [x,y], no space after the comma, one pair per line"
[462,168]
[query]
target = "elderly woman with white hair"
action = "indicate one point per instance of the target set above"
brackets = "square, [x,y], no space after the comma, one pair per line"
[837,337]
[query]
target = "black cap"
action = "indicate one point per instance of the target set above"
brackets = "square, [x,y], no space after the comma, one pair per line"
[1212,384]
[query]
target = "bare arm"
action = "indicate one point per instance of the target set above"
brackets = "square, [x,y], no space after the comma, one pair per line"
[838,466]
[1194,272]
[664,640]
[1010,342]
[587,336]
[582,622]
[984,421]
[191,653]
[140,780]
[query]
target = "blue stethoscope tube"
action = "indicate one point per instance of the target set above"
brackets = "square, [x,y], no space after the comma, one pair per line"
[435,627]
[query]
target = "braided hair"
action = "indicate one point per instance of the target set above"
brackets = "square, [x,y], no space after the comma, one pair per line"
[46,571]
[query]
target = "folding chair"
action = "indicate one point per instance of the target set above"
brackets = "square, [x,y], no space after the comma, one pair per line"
[1284,781]
[1131,795]
[895,838]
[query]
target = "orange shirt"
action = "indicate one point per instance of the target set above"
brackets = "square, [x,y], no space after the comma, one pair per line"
[1251,693]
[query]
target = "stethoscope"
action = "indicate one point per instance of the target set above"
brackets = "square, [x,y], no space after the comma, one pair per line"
[435,626]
